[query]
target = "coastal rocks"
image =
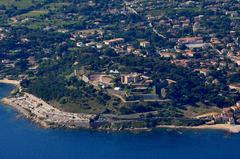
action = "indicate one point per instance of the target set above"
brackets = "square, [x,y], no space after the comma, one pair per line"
[46,115]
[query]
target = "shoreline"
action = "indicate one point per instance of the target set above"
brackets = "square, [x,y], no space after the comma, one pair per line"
[45,115]
[46,124]
[12,82]
[48,116]
[225,127]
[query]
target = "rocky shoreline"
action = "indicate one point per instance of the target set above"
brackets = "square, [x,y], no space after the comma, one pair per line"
[47,116]
[61,119]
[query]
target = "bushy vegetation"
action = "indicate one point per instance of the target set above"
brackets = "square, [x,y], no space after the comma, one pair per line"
[38,41]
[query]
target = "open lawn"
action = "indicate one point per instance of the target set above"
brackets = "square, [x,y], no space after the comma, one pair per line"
[200,110]
[34,13]
[20,4]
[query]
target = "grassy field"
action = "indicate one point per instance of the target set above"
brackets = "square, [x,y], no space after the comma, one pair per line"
[34,13]
[20,4]
[33,18]
[55,6]
[200,110]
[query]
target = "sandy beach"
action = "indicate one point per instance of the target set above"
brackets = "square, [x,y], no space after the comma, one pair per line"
[7,81]
[226,127]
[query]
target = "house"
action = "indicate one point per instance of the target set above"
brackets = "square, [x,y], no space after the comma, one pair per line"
[215,41]
[114,72]
[189,53]
[79,44]
[130,49]
[168,54]
[182,62]
[114,41]
[203,71]
[170,81]
[138,53]
[144,44]
[190,40]
[2,36]
[130,78]
[235,86]
[32,60]
[197,45]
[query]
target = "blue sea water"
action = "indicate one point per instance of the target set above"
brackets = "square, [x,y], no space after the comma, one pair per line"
[21,139]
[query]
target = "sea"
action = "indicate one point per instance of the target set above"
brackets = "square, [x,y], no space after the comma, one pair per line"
[22,139]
